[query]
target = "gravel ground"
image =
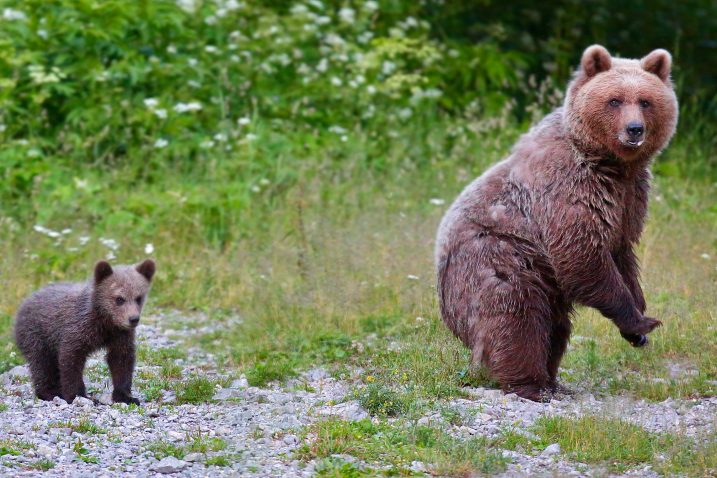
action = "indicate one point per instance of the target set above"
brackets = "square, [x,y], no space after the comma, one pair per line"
[261,426]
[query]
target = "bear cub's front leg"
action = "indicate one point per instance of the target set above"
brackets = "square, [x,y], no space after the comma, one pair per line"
[120,359]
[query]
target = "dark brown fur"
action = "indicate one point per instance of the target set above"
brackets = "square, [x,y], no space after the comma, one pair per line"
[59,326]
[556,223]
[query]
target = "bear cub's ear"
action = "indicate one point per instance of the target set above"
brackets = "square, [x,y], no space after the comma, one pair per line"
[103,270]
[146,268]
[596,59]
[658,62]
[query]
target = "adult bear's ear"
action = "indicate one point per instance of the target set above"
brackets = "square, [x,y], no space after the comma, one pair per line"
[103,270]
[147,269]
[596,59]
[658,62]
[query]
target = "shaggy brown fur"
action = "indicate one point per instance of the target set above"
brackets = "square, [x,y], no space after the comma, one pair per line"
[58,326]
[556,222]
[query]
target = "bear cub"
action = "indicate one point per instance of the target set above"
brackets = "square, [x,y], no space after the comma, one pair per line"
[60,325]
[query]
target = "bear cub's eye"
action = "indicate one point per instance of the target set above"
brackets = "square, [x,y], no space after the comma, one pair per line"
[615,102]
[644,103]
[139,300]
[120,300]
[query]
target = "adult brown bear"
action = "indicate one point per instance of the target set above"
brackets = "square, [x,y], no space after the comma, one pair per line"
[556,222]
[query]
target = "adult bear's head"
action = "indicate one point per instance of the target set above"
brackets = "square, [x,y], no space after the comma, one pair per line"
[621,106]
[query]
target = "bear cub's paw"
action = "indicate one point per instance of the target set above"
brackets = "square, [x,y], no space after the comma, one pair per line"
[124,398]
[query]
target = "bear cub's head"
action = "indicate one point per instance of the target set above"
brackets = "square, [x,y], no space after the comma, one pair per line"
[119,293]
[622,107]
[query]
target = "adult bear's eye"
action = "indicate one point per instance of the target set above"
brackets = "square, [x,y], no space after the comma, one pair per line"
[615,102]
[644,103]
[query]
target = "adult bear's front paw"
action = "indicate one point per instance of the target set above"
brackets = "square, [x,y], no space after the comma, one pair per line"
[637,334]
[636,340]
[646,325]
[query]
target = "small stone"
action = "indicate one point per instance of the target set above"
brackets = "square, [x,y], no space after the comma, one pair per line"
[59,401]
[105,398]
[175,436]
[291,439]
[239,383]
[316,375]
[550,450]
[418,467]
[227,394]
[194,457]
[45,450]
[169,465]
[82,402]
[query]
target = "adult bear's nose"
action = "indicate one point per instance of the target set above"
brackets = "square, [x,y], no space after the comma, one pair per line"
[635,129]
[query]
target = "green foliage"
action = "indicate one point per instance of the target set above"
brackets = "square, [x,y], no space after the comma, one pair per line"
[83,453]
[397,446]
[195,443]
[593,439]
[195,390]
[382,401]
[43,464]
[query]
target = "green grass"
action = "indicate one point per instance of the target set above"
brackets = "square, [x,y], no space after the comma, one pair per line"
[382,401]
[43,464]
[601,440]
[14,447]
[194,443]
[83,425]
[195,390]
[396,446]
[616,444]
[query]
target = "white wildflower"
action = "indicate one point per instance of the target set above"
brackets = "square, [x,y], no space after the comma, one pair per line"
[336,81]
[337,129]
[109,243]
[243,121]
[65,231]
[388,67]
[437,201]
[151,103]
[347,15]
[46,231]
[211,49]
[11,14]
[148,248]
[370,6]
[161,143]
[184,107]
[251,137]
[705,256]
[323,65]
[412,277]
[189,6]
[160,113]
[84,240]
[405,113]
[208,144]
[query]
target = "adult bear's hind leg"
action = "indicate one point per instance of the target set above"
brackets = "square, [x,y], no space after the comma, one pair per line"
[517,356]
[559,337]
